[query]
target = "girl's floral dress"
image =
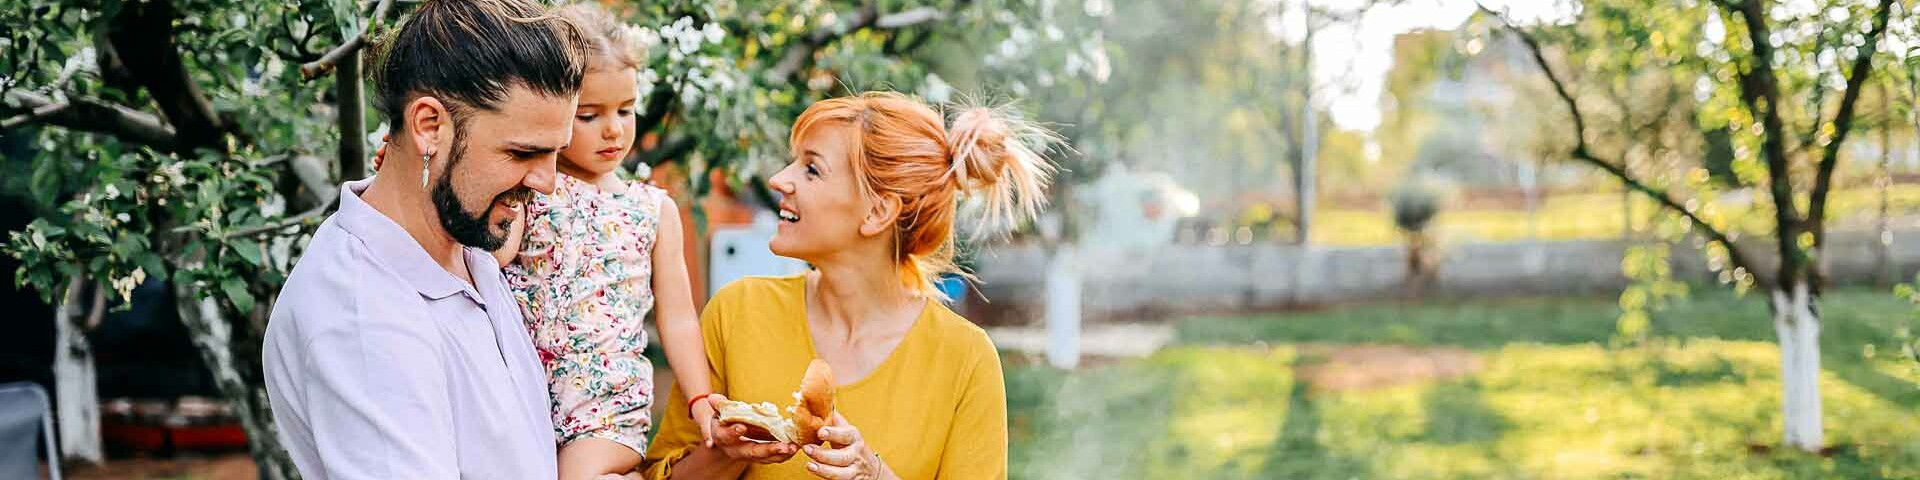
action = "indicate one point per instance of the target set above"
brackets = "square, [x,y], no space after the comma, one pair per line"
[585,278]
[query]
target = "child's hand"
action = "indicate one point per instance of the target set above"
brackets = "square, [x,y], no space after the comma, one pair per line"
[380,154]
[706,415]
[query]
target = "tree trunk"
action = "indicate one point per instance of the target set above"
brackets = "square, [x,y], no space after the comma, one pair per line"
[1415,283]
[1309,141]
[75,380]
[213,336]
[351,118]
[1063,306]
[1882,230]
[1796,320]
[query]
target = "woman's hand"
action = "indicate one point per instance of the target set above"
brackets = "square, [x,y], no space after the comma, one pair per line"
[732,441]
[852,460]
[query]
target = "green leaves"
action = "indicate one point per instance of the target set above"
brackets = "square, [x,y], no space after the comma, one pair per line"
[1906,337]
[1650,288]
[235,290]
[345,15]
[249,251]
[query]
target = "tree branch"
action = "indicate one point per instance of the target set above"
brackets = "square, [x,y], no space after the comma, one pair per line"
[98,116]
[300,53]
[1818,102]
[1583,153]
[326,63]
[33,115]
[908,18]
[1843,123]
[142,34]
[868,16]
[314,178]
[305,219]
[673,147]
[658,102]
[1760,91]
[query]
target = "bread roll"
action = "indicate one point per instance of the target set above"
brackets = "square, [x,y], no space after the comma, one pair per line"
[763,420]
[812,409]
[815,402]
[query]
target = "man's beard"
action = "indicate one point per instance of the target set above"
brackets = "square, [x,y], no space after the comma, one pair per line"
[471,229]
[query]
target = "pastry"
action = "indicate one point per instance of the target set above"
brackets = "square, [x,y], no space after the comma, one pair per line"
[799,423]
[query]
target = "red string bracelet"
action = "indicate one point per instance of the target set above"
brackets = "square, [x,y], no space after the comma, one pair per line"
[696,399]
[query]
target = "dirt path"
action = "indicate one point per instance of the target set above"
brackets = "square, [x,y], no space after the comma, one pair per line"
[1333,368]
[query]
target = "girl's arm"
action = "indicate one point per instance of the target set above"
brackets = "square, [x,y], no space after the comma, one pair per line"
[674,314]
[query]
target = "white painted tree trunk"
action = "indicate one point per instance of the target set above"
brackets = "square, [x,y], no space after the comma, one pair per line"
[212,334]
[1796,320]
[75,381]
[1063,307]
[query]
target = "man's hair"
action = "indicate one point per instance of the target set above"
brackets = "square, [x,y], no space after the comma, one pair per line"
[470,53]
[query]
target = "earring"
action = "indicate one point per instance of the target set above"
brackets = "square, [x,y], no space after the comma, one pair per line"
[425,161]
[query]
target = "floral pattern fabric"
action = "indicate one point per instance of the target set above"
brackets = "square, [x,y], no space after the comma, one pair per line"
[585,279]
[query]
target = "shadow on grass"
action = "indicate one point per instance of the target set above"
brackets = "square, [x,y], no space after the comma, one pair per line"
[1298,451]
[1718,370]
[1457,413]
[1852,319]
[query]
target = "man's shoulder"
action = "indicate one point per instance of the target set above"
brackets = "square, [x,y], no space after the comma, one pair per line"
[339,282]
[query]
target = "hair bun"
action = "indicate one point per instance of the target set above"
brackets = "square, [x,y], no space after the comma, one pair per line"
[978,141]
[997,159]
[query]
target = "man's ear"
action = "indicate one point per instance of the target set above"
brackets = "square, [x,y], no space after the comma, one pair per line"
[428,122]
[881,214]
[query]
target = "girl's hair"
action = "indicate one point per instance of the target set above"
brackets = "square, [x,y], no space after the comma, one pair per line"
[605,40]
[905,150]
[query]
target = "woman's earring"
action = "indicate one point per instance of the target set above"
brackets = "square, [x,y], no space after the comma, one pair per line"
[425,161]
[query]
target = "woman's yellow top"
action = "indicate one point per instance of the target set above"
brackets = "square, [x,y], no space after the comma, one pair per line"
[935,408]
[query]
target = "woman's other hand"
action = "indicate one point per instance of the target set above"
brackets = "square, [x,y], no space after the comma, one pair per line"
[850,458]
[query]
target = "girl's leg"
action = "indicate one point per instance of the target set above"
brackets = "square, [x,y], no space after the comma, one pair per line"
[587,458]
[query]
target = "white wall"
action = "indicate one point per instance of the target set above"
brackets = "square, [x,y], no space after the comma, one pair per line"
[1133,282]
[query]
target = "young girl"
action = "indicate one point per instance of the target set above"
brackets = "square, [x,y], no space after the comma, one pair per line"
[598,254]
[589,260]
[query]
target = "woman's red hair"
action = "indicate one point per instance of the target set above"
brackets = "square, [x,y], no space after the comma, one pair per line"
[904,150]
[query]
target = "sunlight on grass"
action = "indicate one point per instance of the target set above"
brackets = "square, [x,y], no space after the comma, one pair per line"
[1226,412]
[1551,401]
[1536,411]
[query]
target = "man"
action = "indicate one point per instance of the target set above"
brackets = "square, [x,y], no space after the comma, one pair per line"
[395,350]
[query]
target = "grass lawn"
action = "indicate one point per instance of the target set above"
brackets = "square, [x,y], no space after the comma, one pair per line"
[1546,397]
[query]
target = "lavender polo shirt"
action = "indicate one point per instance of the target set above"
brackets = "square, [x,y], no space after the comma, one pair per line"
[381,365]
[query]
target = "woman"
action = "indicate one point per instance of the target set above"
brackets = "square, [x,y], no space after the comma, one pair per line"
[869,201]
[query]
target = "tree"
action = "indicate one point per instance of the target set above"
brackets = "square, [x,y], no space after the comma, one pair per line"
[1768,87]
[1415,203]
[200,141]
